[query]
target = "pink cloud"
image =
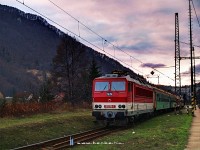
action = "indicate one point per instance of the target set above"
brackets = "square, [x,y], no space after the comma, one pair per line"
[143,28]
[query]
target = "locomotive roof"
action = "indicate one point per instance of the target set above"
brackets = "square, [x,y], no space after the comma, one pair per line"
[127,77]
[140,82]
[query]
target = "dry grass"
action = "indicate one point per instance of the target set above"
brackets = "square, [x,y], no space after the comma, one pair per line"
[27,109]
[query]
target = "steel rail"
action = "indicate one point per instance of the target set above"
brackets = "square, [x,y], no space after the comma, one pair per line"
[65,141]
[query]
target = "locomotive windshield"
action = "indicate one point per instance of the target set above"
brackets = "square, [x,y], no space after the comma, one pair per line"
[118,86]
[101,86]
[113,86]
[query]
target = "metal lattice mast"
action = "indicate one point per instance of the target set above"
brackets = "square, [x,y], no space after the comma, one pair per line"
[191,60]
[177,57]
[194,73]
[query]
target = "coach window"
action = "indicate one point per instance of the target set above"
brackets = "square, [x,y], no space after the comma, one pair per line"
[101,86]
[118,86]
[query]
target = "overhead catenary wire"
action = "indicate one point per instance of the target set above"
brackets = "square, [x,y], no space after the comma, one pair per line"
[79,30]
[75,18]
[75,34]
[91,30]
[195,13]
[103,39]
[189,44]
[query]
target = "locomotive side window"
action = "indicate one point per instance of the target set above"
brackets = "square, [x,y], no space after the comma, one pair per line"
[118,86]
[101,86]
[143,92]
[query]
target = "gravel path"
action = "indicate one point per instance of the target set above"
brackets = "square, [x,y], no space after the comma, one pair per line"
[194,138]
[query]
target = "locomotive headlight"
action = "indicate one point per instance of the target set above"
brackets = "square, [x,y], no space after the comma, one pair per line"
[100,106]
[123,106]
[120,106]
[96,106]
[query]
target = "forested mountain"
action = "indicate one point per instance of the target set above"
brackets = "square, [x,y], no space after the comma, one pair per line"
[28,46]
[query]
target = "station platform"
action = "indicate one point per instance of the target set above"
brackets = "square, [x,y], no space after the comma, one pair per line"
[194,137]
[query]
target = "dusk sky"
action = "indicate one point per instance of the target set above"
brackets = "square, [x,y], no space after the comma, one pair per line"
[145,29]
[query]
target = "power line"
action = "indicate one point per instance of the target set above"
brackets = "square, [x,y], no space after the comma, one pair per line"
[162,73]
[195,13]
[92,30]
[189,44]
[78,35]
[103,39]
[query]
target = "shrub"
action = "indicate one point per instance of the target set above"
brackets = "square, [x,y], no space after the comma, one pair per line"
[25,109]
[2,106]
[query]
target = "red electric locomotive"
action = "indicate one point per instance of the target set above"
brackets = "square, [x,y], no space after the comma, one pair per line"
[120,98]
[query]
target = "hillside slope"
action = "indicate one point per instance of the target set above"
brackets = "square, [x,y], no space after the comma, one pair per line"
[28,44]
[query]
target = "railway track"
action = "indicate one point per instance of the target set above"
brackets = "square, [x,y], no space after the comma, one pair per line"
[70,140]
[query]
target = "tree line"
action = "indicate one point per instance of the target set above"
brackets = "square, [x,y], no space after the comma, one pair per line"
[72,73]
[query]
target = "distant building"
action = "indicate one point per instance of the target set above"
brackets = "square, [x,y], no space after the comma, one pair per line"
[24,96]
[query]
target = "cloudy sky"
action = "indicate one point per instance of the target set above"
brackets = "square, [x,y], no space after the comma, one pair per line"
[143,29]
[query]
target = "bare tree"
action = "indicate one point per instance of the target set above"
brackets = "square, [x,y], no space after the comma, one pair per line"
[67,66]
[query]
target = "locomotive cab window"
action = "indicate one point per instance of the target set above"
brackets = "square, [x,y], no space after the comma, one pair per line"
[101,86]
[118,86]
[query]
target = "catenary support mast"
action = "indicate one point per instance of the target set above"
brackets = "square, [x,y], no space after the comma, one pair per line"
[191,60]
[177,57]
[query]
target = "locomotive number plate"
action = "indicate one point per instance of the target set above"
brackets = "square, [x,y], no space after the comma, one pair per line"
[109,106]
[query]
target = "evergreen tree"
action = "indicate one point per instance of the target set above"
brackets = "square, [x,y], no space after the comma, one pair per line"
[94,71]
